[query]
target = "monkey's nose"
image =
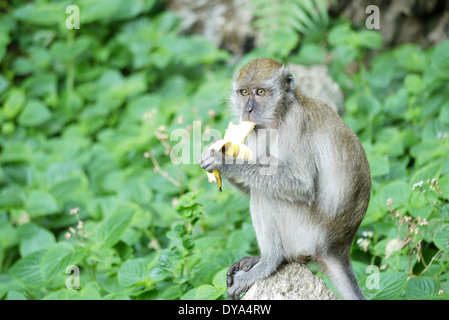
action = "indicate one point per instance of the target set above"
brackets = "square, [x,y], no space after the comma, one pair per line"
[250,105]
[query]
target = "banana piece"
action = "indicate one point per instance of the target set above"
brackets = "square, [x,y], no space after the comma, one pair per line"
[232,145]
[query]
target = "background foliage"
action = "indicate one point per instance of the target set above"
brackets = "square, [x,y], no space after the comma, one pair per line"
[86,177]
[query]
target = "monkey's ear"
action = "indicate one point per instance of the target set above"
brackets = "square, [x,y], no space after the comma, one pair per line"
[289,83]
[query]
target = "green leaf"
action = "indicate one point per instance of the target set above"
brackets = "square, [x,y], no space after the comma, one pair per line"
[440,57]
[34,238]
[15,295]
[444,186]
[398,191]
[421,287]
[93,10]
[132,271]
[391,285]
[34,114]
[413,83]
[203,292]
[310,54]
[159,273]
[59,257]
[370,39]
[40,203]
[42,14]
[4,83]
[219,280]
[13,103]
[18,152]
[28,269]
[431,171]
[8,234]
[112,229]
[379,165]
[441,239]
[9,283]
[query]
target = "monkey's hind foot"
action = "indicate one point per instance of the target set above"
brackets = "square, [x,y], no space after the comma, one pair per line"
[244,264]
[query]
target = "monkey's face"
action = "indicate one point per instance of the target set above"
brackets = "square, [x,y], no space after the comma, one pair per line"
[252,102]
[260,91]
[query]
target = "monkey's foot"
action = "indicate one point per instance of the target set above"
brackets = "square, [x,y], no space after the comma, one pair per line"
[237,271]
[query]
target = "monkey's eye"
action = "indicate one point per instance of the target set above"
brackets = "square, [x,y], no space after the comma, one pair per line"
[244,92]
[260,92]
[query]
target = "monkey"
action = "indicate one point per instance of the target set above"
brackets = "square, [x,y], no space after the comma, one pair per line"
[310,207]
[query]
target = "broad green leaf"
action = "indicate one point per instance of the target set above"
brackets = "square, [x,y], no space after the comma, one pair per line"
[370,39]
[112,229]
[8,234]
[413,83]
[441,239]
[9,283]
[59,257]
[431,171]
[171,293]
[63,294]
[444,186]
[132,271]
[379,165]
[13,103]
[203,292]
[18,152]
[421,287]
[159,273]
[398,191]
[40,203]
[15,295]
[34,238]
[4,83]
[391,285]
[219,280]
[93,10]
[28,269]
[42,14]
[35,113]
[440,57]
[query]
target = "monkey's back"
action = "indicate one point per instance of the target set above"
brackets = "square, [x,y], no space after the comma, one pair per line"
[344,181]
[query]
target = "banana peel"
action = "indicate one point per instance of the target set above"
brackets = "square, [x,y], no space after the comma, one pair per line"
[232,145]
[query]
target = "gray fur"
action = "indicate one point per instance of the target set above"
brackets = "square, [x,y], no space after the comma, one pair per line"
[307,206]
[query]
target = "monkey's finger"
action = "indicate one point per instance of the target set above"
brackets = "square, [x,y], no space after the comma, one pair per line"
[206,163]
[229,281]
[230,274]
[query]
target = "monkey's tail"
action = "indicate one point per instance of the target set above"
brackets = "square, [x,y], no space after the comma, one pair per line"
[341,274]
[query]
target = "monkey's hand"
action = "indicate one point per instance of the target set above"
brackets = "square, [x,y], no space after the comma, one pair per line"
[212,159]
[234,280]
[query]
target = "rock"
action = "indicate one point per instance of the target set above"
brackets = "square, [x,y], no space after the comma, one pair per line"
[293,281]
[401,21]
[315,82]
[225,23]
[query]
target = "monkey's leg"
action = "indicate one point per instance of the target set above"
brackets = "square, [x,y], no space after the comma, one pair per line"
[270,246]
[340,272]
[244,264]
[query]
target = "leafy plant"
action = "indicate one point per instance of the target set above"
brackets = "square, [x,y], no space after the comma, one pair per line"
[280,23]
[86,179]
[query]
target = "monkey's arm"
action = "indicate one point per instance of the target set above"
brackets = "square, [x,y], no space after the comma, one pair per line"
[239,186]
[281,181]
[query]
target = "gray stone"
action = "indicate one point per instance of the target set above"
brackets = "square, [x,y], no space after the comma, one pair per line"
[315,82]
[293,281]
